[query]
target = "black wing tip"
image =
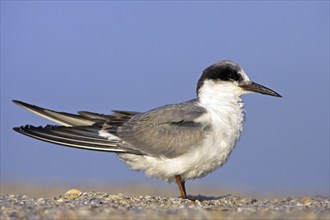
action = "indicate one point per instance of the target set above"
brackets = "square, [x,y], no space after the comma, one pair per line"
[24,128]
[276,94]
[17,101]
[20,103]
[18,129]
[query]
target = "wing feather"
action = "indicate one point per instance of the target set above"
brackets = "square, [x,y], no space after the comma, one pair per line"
[78,137]
[168,131]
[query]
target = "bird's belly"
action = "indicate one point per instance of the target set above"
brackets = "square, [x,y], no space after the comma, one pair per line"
[197,163]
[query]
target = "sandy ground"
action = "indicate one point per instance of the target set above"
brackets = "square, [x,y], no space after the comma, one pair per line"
[24,201]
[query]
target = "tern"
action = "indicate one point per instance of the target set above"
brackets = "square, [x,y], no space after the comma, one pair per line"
[175,142]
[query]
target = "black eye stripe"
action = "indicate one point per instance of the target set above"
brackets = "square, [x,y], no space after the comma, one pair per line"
[225,73]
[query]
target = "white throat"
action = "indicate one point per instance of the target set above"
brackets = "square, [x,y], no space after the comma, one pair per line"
[213,92]
[224,100]
[225,113]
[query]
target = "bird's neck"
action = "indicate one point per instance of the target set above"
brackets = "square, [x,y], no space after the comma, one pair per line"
[220,95]
[225,107]
[225,116]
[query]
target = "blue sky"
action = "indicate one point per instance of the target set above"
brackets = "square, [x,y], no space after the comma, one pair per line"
[103,55]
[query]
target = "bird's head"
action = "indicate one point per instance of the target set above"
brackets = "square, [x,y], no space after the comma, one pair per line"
[228,77]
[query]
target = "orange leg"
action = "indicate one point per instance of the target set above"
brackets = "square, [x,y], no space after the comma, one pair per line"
[181,187]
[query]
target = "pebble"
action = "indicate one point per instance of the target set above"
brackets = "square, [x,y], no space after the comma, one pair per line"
[72,194]
[97,205]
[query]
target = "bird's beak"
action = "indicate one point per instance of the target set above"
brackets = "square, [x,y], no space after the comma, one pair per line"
[255,87]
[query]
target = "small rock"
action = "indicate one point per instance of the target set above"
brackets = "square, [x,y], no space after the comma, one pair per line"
[72,194]
[305,200]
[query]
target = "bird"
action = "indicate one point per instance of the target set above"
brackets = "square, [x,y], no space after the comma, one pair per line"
[174,142]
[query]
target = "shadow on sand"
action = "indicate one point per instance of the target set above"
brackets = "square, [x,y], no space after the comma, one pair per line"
[206,198]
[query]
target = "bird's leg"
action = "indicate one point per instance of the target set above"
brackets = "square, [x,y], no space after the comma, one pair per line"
[181,186]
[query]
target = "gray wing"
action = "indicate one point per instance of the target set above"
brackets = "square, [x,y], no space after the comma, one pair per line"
[165,131]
